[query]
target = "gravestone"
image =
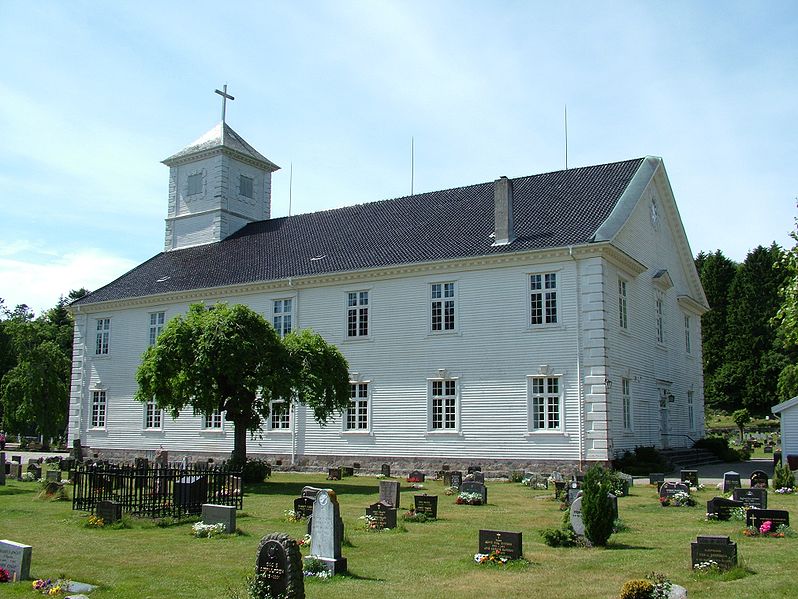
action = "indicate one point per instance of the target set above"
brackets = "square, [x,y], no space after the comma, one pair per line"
[220,514]
[347,471]
[383,515]
[416,476]
[722,507]
[754,497]
[576,517]
[35,469]
[2,468]
[768,449]
[721,550]
[16,458]
[731,481]
[427,505]
[389,492]
[303,507]
[279,566]
[627,482]
[478,477]
[326,533]
[614,503]
[472,469]
[77,450]
[670,489]
[333,474]
[556,477]
[507,544]
[53,475]
[656,478]
[190,492]
[444,467]
[453,479]
[109,511]
[578,477]
[573,492]
[141,464]
[470,486]
[15,557]
[161,458]
[759,480]
[756,517]
[690,477]
[15,471]
[559,488]
[385,470]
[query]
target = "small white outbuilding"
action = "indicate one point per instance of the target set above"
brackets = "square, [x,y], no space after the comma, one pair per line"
[787,412]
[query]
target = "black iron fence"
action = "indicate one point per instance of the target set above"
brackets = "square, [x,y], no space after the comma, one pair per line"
[155,492]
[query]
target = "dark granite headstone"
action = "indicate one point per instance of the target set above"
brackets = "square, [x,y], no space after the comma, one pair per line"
[35,469]
[759,480]
[16,458]
[670,489]
[722,507]
[444,467]
[507,544]
[77,450]
[347,471]
[190,492]
[573,493]
[475,487]
[755,517]
[109,511]
[416,476]
[721,550]
[15,471]
[383,515]
[279,567]
[53,475]
[333,474]
[656,478]
[690,477]
[559,489]
[731,481]
[385,470]
[754,497]
[303,507]
[578,477]
[472,469]
[453,479]
[2,468]
[390,492]
[478,477]
[427,505]
[768,449]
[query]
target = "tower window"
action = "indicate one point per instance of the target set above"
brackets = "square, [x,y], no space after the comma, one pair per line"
[194,184]
[245,186]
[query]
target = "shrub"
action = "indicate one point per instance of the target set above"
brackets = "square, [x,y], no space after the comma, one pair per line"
[783,477]
[643,461]
[719,446]
[636,589]
[255,471]
[559,537]
[597,509]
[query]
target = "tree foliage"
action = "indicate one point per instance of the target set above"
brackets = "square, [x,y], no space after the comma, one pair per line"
[741,418]
[597,510]
[228,358]
[787,320]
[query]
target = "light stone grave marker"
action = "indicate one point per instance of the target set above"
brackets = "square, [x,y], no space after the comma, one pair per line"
[326,533]
[15,557]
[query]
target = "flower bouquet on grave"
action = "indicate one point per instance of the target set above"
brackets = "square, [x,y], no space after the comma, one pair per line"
[414,479]
[466,498]
[5,575]
[678,499]
[451,491]
[784,490]
[291,516]
[766,529]
[369,522]
[413,516]
[47,587]
[494,557]
[304,542]
[202,530]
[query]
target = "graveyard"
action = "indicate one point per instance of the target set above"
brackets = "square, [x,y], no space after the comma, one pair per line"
[157,558]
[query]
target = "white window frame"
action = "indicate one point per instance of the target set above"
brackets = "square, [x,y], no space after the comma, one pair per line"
[157,323]
[623,303]
[358,311]
[659,316]
[213,422]
[242,188]
[283,419]
[194,177]
[541,400]
[102,345]
[626,403]
[279,315]
[438,391]
[543,296]
[443,298]
[99,409]
[357,418]
[688,340]
[153,416]
[690,410]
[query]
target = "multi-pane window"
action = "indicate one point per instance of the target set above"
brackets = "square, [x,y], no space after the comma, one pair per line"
[357,414]
[280,415]
[444,405]
[357,314]
[245,186]
[626,399]
[690,411]
[623,318]
[543,298]
[546,409]
[283,311]
[98,409]
[157,320]
[153,416]
[443,307]
[688,345]
[658,312]
[103,336]
[194,184]
[213,420]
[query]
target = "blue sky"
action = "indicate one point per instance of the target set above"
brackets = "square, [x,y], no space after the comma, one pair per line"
[94,95]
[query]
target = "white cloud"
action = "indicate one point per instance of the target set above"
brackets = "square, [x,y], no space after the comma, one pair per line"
[39,284]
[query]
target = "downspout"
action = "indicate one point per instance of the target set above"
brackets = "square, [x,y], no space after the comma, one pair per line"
[580,397]
[292,414]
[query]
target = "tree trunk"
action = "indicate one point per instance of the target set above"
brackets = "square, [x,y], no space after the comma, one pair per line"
[239,454]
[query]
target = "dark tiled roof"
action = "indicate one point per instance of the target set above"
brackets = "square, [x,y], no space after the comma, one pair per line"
[550,210]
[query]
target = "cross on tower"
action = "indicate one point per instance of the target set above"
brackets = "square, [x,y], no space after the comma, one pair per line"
[225,97]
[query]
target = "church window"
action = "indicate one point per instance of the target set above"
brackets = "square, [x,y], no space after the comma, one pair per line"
[103,337]
[153,416]
[443,398]
[443,307]
[688,345]
[98,409]
[194,184]
[690,411]
[245,186]
[357,314]
[212,421]
[282,316]
[279,415]
[626,399]
[543,298]
[157,320]
[357,414]
[659,302]
[623,318]
[546,402]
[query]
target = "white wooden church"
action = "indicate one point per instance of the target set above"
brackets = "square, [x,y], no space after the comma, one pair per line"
[539,321]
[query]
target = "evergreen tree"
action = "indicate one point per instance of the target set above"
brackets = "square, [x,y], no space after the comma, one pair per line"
[787,322]
[597,512]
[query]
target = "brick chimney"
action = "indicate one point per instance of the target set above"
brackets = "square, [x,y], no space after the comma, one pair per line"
[503,214]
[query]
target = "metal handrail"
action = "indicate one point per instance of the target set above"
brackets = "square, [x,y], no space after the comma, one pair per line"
[678,435]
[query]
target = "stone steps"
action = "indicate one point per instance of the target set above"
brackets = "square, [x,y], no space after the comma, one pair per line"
[690,458]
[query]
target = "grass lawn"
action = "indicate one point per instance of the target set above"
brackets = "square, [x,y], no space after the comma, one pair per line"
[433,559]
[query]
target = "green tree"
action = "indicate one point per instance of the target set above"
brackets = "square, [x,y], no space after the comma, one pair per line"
[597,510]
[228,358]
[717,273]
[741,418]
[787,321]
